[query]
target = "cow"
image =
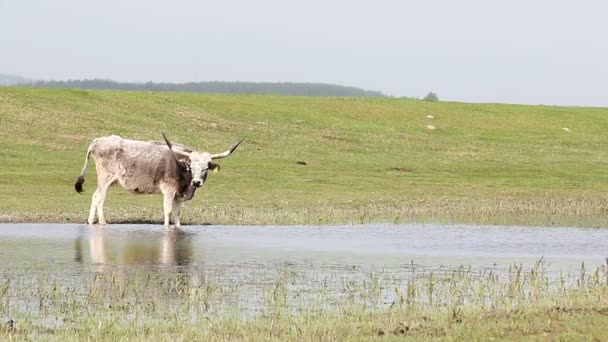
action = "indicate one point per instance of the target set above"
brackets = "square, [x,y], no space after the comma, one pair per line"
[148,167]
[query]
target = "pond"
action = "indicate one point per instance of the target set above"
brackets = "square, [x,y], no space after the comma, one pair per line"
[244,263]
[322,246]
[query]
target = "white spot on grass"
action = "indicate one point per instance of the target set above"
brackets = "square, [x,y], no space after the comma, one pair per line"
[431,127]
[430,117]
[566,129]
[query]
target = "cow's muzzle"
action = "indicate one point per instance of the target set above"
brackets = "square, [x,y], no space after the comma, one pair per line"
[196,183]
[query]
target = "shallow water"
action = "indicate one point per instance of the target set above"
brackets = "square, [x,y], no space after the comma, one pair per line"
[251,258]
[269,246]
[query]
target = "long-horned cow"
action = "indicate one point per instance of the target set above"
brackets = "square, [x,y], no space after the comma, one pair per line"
[148,167]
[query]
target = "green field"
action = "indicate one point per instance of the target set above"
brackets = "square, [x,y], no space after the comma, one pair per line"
[367,159]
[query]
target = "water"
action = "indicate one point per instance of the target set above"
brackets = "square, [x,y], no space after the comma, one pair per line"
[271,246]
[313,259]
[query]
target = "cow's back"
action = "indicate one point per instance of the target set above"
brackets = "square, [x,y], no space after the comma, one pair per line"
[139,166]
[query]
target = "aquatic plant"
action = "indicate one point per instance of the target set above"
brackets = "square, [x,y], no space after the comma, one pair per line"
[422,303]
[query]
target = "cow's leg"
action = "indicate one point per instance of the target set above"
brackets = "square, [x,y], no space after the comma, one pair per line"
[93,207]
[100,201]
[175,212]
[168,198]
[102,192]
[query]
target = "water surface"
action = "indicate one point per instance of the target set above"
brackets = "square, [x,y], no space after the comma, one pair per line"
[429,245]
[249,259]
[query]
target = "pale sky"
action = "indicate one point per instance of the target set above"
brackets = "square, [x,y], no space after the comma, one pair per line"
[517,51]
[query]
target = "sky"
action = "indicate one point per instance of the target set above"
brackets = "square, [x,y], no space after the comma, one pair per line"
[550,52]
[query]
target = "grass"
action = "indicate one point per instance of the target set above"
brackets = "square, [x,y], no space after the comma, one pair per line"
[456,304]
[366,159]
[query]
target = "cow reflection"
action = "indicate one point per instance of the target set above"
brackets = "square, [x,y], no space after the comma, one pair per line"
[135,266]
[171,247]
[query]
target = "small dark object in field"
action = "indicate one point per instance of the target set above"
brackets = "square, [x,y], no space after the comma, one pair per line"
[301,163]
[400,169]
[380,332]
[9,325]
[401,331]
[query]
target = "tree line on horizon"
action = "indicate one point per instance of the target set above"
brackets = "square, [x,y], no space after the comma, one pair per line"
[285,88]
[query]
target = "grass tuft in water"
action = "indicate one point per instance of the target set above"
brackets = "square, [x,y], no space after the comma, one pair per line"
[459,303]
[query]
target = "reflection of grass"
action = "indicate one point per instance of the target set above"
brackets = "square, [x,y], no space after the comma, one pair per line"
[366,159]
[443,305]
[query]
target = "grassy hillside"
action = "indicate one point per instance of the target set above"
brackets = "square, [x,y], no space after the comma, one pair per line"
[366,159]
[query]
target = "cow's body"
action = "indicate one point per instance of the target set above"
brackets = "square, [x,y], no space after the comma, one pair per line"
[144,167]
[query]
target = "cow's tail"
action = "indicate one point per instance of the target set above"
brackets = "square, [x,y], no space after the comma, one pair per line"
[80,180]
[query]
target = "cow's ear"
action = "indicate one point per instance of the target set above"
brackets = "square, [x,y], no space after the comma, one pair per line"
[214,167]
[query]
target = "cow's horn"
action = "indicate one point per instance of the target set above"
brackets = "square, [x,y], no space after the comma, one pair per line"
[175,150]
[228,152]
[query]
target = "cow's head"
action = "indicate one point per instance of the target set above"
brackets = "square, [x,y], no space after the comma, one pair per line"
[200,162]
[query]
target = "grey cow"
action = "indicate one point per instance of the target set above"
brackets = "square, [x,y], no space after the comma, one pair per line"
[148,167]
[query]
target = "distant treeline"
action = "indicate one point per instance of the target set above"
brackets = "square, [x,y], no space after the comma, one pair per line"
[303,89]
[12,80]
